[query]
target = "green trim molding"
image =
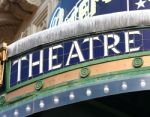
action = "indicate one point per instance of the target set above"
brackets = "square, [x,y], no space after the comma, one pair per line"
[84,72]
[39,85]
[7,74]
[2,100]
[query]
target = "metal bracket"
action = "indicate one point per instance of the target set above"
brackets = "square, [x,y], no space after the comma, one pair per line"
[3,58]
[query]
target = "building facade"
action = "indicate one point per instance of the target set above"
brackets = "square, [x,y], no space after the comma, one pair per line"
[63,52]
[24,17]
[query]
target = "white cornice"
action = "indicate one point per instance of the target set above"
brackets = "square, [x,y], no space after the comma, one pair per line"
[68,30]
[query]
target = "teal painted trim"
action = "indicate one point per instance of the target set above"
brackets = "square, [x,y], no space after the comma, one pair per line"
[81,65]
[2,100]
[84,72]
[38,85]
[7,74]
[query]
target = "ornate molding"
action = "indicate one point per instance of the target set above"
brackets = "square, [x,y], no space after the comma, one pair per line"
[39,85]
[2,100]
[8,19]
[12,14]
[18,12]
[137,62]
[84,72]
[34,2]
[27,6]
[4,5]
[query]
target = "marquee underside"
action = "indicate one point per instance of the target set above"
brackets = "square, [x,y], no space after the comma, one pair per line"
[66,95]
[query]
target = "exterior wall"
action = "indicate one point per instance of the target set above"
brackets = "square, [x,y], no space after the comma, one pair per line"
[38,21]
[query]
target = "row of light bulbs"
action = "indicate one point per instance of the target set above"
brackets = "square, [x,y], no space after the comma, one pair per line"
[88,92]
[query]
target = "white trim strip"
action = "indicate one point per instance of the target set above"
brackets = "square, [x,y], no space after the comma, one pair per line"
[68,30]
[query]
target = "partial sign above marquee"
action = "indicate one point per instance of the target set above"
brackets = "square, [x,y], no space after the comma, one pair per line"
[73,10]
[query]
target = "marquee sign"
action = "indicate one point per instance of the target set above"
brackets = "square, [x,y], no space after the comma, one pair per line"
[72,10]
[75,51]
[41,61]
